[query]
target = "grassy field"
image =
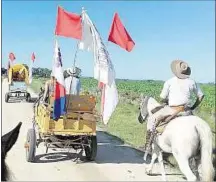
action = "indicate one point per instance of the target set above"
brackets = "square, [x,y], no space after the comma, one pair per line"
[124,123]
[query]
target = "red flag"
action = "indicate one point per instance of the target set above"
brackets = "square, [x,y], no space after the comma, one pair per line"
[33,57]
[12,56]
[119,35]
[68,24]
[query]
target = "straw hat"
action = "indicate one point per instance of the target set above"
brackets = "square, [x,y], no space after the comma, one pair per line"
[73,72]
[180,69]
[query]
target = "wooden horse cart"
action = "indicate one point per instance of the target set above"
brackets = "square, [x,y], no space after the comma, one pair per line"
[17,75]
[76,129]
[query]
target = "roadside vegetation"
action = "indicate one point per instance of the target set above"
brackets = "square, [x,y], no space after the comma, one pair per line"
[123,123]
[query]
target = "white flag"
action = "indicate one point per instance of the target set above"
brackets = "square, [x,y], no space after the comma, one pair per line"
[87,39]
[110,101]
[103,68]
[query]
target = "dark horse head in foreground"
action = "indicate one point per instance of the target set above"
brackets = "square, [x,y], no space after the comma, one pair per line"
[7,142]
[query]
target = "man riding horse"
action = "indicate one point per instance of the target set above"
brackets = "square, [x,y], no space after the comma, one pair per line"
[176,93]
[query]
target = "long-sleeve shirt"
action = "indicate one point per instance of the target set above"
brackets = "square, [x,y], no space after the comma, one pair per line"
[75,85]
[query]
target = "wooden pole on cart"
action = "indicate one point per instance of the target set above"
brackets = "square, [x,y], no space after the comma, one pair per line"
[74,63]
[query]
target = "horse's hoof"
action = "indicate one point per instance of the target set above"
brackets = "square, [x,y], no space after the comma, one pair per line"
[148,171]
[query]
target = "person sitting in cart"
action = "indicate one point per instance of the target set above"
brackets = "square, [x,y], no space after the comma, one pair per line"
[72,81]
[49,88]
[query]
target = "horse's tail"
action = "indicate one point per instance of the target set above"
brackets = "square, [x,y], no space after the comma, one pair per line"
[205,134]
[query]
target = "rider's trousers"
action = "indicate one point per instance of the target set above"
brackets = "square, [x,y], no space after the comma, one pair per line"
[152,119]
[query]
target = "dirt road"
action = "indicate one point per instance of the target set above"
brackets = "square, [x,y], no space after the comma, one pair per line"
[114,162]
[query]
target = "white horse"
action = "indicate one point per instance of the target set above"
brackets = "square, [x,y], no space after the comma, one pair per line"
[185,137]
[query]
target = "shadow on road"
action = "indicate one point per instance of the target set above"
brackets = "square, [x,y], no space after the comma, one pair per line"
[16,100]
[111,149]
[54,157]
[167,174]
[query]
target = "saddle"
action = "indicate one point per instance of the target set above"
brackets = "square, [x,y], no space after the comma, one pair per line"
[162,121]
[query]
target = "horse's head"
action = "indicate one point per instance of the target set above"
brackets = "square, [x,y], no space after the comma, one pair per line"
[146,105]
[7,142]
[143,109]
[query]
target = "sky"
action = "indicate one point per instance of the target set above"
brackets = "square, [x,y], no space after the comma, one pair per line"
[162,31]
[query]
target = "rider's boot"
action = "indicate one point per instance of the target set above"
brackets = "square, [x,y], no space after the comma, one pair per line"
[148,143]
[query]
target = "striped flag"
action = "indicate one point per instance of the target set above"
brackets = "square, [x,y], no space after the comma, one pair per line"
[60,92]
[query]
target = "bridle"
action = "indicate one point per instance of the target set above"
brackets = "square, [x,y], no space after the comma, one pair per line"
[143,108]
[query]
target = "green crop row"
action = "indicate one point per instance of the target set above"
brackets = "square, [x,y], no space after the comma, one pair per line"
[152,88]
[131,90]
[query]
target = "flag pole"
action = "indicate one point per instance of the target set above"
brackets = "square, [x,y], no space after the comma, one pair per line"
[9,65]
[55,39]
[74,64]
[30,67]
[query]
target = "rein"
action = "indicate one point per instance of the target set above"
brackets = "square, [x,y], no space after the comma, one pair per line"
[144,110]
[156,109]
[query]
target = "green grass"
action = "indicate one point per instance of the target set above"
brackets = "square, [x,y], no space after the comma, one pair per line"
[37,83]
[125,125]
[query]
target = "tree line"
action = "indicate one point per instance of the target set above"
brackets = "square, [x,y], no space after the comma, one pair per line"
[45,73]
[36,72]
